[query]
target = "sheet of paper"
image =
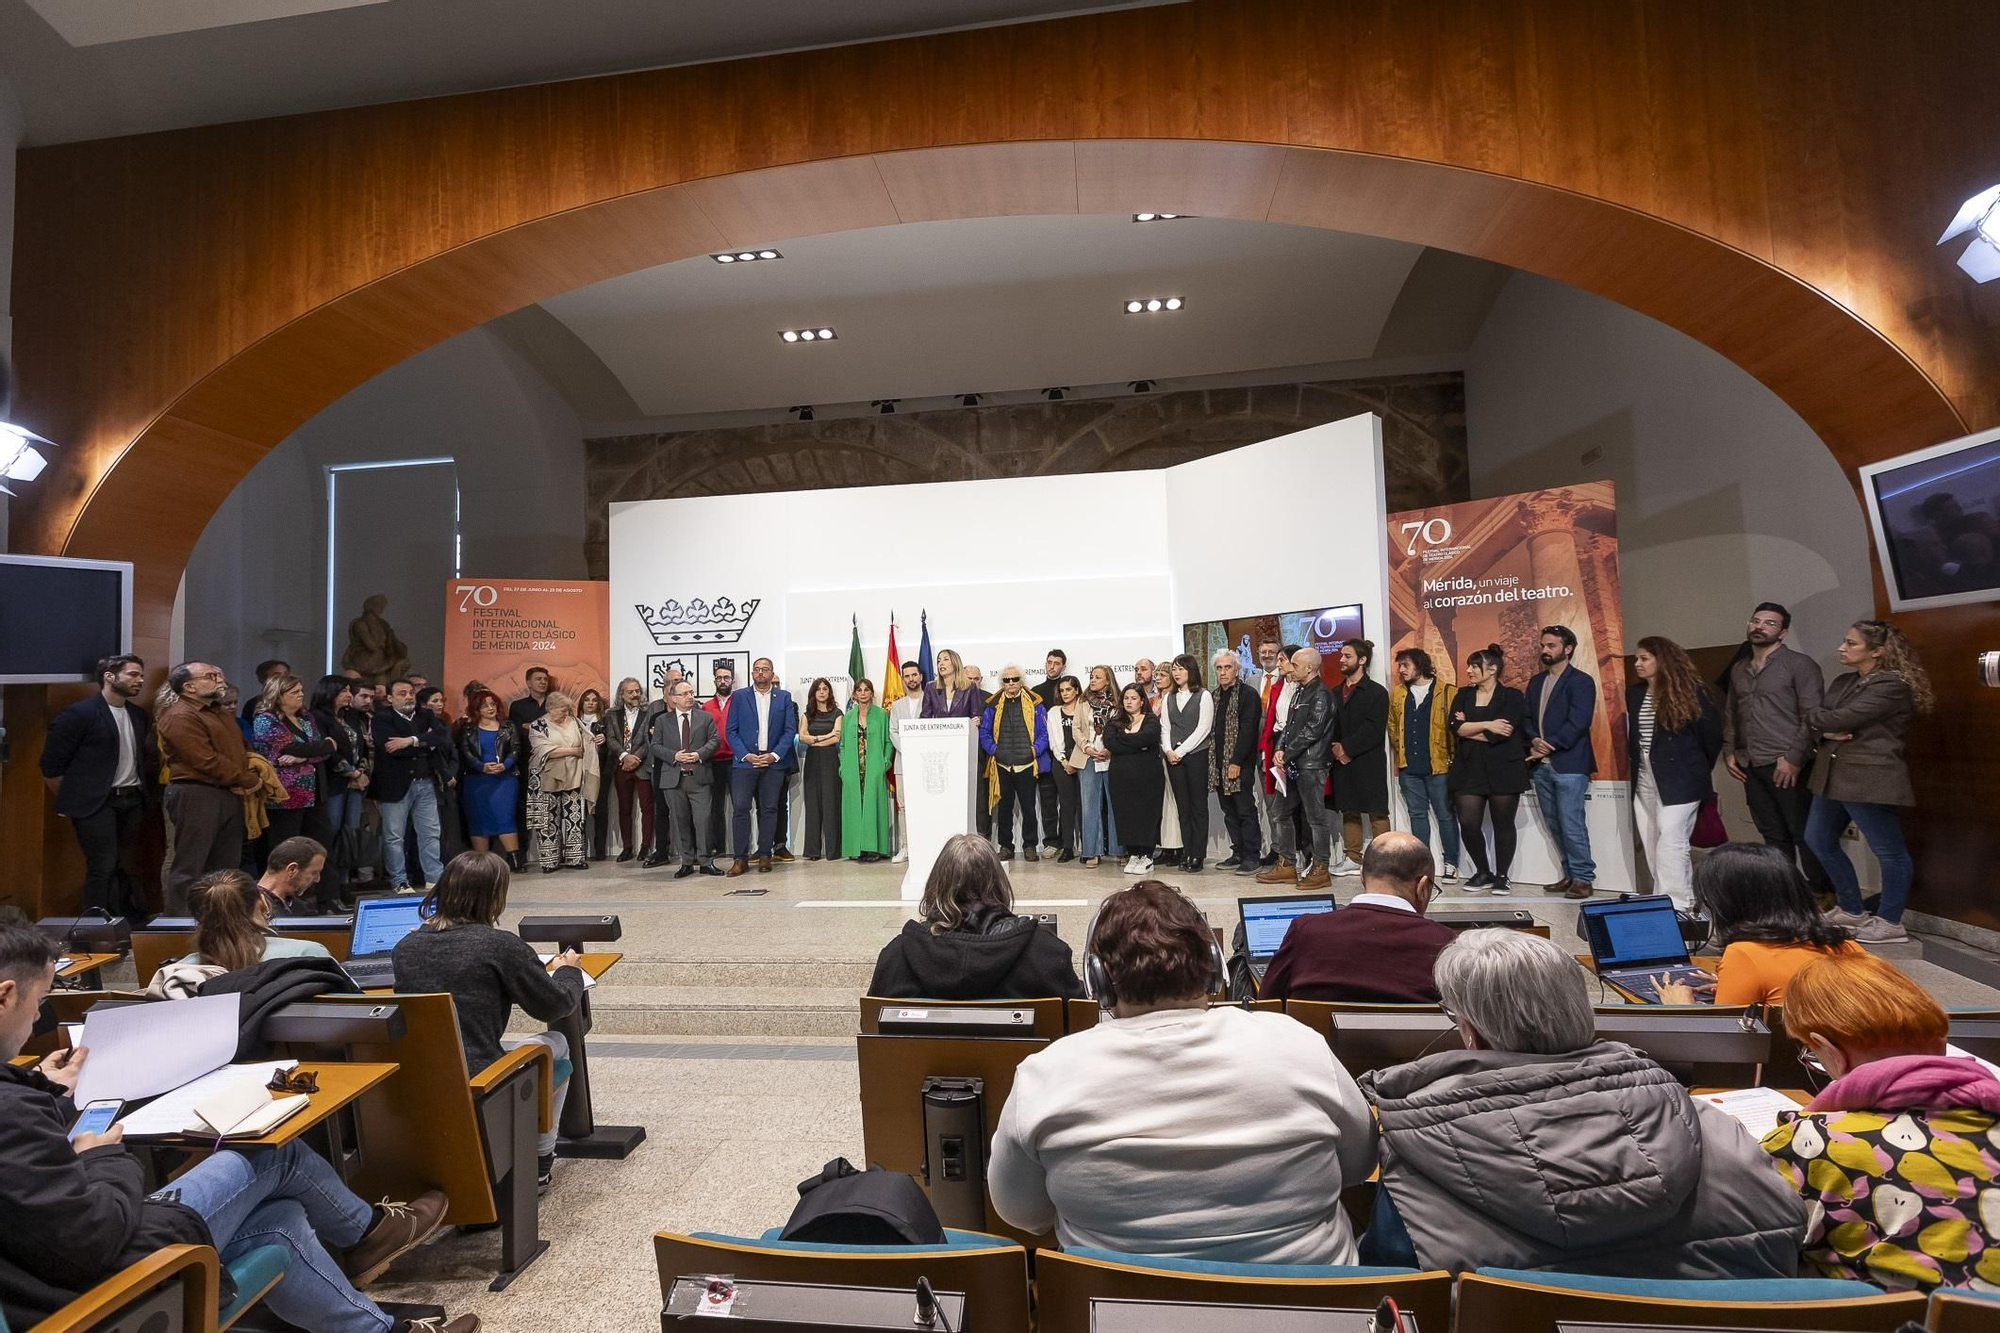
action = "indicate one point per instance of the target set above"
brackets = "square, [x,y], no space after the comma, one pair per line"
[174,1112]
[142,1050]
[1964,1054]
[1278,779]
[1756,1109]
[588,980]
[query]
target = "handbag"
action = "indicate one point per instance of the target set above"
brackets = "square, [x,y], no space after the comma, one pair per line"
[843,1206]
[1708,826]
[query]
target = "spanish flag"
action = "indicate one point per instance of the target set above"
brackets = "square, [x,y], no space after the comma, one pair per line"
[892,674]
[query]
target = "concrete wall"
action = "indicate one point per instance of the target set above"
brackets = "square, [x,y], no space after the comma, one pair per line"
[256,585]
[1725,497]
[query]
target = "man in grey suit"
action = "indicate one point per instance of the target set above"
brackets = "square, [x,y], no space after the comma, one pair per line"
[679,744]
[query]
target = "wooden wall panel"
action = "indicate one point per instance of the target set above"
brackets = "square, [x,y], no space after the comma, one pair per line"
[1765,175]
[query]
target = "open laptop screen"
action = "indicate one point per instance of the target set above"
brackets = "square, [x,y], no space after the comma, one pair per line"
[1633,933]
[1265,920]
[380,922]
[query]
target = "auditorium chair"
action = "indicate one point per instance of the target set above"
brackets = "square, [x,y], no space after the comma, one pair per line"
[991,1271]
[1067,1281]
[151,948]
[1964,1312]
[1084,1013]
[172,1290]
[1524,1301]
[1050,1021]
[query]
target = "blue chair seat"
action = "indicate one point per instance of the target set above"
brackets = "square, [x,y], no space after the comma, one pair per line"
[1219,1268]
[560,1074]
[953,1240]
[1773,1289]
[254,1272]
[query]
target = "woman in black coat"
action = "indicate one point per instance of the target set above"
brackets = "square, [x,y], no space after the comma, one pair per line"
[1489,770]
[967,944]
[1138,778]
[1675,735]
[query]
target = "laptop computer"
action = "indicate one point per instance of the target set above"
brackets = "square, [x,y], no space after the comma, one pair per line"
[1265,921]
[379,922]
[1636,939]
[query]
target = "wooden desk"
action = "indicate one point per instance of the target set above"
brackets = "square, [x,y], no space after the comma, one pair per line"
[1707,962]
[83,967]
[339,1084]
[594,965]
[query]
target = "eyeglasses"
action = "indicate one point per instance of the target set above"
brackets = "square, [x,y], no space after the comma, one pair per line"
[298,1080]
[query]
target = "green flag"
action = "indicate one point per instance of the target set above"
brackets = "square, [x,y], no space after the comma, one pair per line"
[856,669]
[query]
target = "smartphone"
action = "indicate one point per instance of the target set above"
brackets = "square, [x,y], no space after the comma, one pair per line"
[97,1117]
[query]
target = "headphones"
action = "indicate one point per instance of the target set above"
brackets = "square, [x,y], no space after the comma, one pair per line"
[1097,977]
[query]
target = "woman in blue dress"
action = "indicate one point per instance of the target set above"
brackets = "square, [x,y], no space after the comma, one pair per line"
[489,751]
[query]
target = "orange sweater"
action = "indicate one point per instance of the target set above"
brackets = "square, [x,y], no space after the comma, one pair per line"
[1754,973]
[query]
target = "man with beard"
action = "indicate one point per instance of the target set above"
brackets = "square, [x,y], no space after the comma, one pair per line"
[1360,733]
[1274,690]
[1232,769]
[1561,703]
[1766,742]
[719,763]
[408,750]
[208,775]
[99,761]
[909,708]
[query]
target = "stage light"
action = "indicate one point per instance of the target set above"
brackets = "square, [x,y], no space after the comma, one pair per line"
[743,256]
[1054,395]
[1979,215]
[1142,386]
[818,335]
[968,400]
[1157,217]
[1154,305]
[20,460]
[803,413]
[886,406]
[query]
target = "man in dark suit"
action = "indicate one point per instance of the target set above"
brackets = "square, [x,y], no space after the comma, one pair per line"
[528,709]
[1360,764]
[1562,703]
[1232,775]
[763,731]
[410,747]
[679,744]
[99,760]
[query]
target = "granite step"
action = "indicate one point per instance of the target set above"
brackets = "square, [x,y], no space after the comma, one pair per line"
[734,1011]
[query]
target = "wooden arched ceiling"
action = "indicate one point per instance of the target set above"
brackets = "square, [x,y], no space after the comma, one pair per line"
[1764,175]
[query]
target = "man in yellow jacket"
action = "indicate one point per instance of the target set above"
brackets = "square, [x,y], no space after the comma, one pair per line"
[1421,741]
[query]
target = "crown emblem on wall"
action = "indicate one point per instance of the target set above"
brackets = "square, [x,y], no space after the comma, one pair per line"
[721,621]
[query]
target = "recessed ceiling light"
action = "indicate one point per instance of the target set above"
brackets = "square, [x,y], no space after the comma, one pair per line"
[743,256]
[807,334]
[1153,305]
[1134,307]
[819,335]
[790,335]
[1173,303]
[826,333]
[767,254]
[1157,217]
[723,259]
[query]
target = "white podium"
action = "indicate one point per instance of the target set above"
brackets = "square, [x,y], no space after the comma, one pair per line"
[940,763]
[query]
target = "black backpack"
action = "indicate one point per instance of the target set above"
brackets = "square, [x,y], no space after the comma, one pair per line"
[843,1206]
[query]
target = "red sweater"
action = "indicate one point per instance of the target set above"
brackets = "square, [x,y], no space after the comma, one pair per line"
[1360,953]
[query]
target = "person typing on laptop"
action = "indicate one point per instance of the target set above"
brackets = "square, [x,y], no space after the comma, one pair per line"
[77,1210]
[1379,948]
[1766,921]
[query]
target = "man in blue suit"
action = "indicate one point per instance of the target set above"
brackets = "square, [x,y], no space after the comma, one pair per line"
[763,724]
[1561,703]
[100,761]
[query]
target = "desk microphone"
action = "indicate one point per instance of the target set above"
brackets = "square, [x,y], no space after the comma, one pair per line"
[929,1314]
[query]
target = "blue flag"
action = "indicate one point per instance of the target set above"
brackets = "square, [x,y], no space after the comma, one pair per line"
[924,663]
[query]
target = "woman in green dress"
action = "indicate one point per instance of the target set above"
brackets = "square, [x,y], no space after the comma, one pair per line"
[866,813]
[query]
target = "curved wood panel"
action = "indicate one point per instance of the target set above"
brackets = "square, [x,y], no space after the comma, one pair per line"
[1764,175]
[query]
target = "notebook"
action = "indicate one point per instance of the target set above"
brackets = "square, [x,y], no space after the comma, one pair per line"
[1265,921]
[1633,940]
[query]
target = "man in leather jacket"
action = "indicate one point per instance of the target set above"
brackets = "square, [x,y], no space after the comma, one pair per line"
[1305,753]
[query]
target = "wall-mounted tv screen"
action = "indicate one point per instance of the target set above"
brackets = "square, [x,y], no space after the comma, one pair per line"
[59,616]
[1936,514]
[1323,628]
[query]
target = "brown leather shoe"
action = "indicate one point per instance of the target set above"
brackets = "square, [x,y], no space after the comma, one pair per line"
[736,868]
[1560,886]
[1285,863]
[1281,873]
[781,854]
[403,1227]
[1317,878]
[1578,888]
[1030,854]
[764,864]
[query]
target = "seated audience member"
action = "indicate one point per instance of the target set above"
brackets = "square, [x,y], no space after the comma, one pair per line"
[77,1212]
[966,943]
[1174,1129]
[1766,922]
[1539,1146]
[488,971]
[290,876]
[232,930]
[1896,1156]
[1378,949]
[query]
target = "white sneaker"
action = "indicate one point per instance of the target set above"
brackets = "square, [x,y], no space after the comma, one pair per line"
[1874,930]
[1145,865]
[1343,869]
[902,855]
[1131,865]
[1448,875]
[1841,917]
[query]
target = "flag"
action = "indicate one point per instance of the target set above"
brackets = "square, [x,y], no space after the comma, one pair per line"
[924,663]
[892,674]
[856,668]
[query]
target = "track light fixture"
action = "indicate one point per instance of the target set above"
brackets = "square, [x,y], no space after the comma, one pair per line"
[1055,395]
[1153,305]
[804,413]
[1158,217]
[1979,215]
[820,335]
[1142,386]
[968,400]
[20,460]
[744,256]
[886,406]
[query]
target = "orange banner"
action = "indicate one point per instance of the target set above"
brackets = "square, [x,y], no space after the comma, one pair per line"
[495,629]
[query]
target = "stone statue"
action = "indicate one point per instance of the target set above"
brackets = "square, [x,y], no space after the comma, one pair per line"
[372,646]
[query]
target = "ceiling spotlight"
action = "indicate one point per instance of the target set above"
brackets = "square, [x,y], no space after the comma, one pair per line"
[743,256]
[746,256]
[723,259]
[807,334]
[968,400]
[1054,395]
[803,413]
[767,254]
[1142,386]
[826,333]
[887,406]
[1134,307]
[1173,303]
[1157,217]
[1153,305]
[820,335]
[790,335]
[1979,215]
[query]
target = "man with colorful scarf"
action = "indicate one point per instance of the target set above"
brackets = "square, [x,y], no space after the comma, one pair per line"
[1232,776]
[1014,734]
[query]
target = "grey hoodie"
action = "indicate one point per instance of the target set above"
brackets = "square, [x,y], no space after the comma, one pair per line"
[1591,1162]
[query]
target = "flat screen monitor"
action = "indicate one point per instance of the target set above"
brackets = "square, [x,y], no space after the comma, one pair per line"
[1936,515]
[380,922]
[58,616]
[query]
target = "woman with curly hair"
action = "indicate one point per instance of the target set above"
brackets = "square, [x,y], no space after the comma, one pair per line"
[1675,730]
[1859,775]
